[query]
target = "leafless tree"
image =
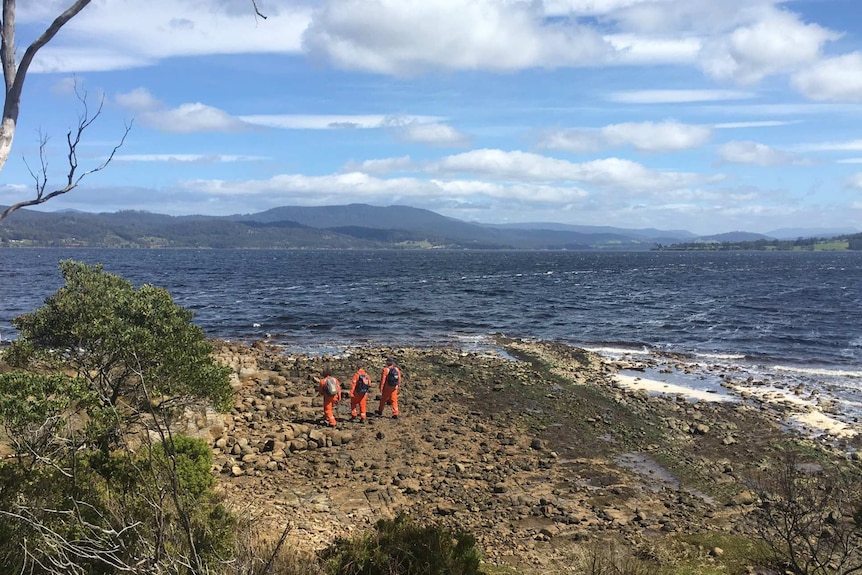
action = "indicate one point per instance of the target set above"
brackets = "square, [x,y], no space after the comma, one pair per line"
[73,177]
[14,74]
[810,518]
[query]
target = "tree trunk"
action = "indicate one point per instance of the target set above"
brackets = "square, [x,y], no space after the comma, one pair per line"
[7,134]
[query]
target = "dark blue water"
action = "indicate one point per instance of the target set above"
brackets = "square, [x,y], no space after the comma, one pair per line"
[799,308]
[797,313]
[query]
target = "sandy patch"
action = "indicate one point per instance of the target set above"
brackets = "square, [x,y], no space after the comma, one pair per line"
[805,414]
[656,386]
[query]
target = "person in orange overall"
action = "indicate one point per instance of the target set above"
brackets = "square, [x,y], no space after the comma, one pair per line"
[390,382]
[329,399]
[359,387]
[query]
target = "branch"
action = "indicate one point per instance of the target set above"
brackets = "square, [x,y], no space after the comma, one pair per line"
[47,36]
[256,11]
[73,178]
[56,553]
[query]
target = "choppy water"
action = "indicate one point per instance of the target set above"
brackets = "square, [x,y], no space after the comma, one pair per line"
[793,316]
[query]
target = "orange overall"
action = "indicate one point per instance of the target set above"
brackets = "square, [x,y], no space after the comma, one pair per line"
[389,393]
[357,399]
[329,401]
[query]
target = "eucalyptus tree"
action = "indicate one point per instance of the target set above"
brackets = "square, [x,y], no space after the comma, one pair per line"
[99,482]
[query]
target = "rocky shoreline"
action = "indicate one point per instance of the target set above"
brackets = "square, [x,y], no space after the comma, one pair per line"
[533,456]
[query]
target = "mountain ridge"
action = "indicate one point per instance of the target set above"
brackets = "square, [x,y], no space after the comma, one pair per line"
[346,226]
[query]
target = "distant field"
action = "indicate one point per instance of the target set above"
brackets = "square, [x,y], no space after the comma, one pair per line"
[836,245]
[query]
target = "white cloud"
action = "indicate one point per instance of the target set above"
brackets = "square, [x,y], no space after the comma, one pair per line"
[632,49]
[701,18]
[737,40]
[850,161]
[576,140]
[406,37]
[665,136]
[608,173]
[67,85]
[382,166]
[855,181]
[754,124]
[139,99]
[832,79]
[57,58]
[433,135]
[335,121]
[845,146]
[357,186]
[198,117]
[587,7]
[194,117]
[757,154]
[776,42]
[678,96]
[187,158]
[120,34]
[184,119]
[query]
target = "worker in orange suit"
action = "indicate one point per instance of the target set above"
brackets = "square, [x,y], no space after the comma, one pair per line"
[390,382]
[359,387]
[330,389]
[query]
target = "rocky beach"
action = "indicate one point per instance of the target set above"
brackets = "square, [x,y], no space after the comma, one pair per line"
[536,448]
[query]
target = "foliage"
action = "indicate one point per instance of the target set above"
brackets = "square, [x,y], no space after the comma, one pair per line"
[402,546]
[33,408]
[809,518]
[192,459]
[99,483]
[611,560]
[839,243]
[259,553]
[135,345]
[125,512]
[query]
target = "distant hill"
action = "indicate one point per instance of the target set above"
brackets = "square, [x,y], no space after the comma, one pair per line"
[734,237]
[794,233]
[350,226]
[645,234]
[848,242]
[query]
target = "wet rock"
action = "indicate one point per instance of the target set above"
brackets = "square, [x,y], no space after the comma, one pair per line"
[743,498]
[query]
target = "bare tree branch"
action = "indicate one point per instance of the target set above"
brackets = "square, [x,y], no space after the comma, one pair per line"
[256,11]
[14,75]
[73,178]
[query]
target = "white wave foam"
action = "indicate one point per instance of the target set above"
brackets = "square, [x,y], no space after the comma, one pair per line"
[721,355]
[818,371]
[470,338]
[617,351]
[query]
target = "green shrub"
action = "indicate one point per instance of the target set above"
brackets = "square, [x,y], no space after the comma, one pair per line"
[134,345]
[124,509]
[77,498]
[401,546]
[193,463]
[608,558]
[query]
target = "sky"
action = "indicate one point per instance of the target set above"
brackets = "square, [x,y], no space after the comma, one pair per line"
[704,115]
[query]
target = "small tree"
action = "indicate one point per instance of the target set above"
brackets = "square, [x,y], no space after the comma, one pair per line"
[108,364]
[810,518]
[129,344]
[402,546]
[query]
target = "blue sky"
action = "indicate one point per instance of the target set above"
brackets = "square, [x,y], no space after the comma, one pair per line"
[678,114]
